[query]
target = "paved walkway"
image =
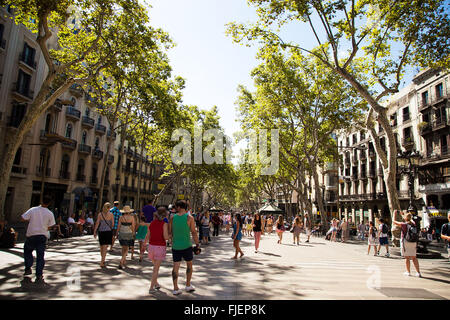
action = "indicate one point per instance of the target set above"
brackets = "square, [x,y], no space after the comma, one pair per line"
[315,270]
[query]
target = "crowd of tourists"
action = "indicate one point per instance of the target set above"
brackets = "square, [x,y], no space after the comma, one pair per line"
[152,230]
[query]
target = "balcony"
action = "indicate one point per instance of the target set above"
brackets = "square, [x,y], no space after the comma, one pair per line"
[76,90]
[445,152]
[433,99]
[408,142]
[97,154]
[100,129]
[371,174]
[73,113]
[87,122]
[439,124]
[381,196]
[110,159]
[39,171]
[64,175]
[354,177]
[80,177]
[26,62]
[83,148]
[363,176]
[57,106]
[18,172]
[69,145]
[424,128]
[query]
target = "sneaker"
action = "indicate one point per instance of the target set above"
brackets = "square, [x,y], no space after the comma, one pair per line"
[40,282]
[387,255]
[176,292]
[191,288]
[407,274]
[27,271]
[418,275]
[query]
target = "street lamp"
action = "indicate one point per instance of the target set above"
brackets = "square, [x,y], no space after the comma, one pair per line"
[408,162]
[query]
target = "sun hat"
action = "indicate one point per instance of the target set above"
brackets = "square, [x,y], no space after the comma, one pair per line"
[127,209]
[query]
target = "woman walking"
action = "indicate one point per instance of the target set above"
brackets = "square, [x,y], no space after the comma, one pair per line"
[257,229]
[269,225]
[280,228]
[334,229]
[237,235]
[103,227]
[308,226]
[250,226]
[372,238]
[205,228]
[141,235]
[126,228]
[409,248]
[157,235]
[296,229]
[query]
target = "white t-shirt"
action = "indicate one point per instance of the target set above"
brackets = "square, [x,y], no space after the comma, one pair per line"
[382,235]
[40,219]
[71,220]
[90,221]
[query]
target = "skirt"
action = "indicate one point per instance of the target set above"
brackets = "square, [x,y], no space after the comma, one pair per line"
[409,249]
[373,241]
[105,237]
[205,231]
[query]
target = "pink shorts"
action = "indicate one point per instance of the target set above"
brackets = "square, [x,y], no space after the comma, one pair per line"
[157,252]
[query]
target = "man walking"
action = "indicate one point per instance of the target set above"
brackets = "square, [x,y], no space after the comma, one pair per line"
[148,211]
[117,214]
[344,228]
[383,230]
[181,226]
[216,222]
[40,219]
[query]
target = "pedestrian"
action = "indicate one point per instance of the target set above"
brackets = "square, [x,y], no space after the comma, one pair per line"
[361,231]
[181,226]
[250,226]
[280,228]
[308,226]
[205,228]
[296,229]
[344,229]
[383,230]
[237,236]
[148,211]
[227,223]
[156,237]
[269,225]
[257,229]
[216,224]
[372,239]
[409,237]
[126,231]
[141,234]
[117,214]
[445,234]
[40,220]
[334,228]
[104,229]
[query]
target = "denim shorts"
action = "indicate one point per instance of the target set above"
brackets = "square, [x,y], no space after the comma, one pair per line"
[384,241]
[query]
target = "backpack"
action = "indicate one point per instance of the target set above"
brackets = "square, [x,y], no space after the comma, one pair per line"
[374,232]
[411,233]
[384,229]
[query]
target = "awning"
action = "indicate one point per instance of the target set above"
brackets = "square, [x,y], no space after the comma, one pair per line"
[270,208]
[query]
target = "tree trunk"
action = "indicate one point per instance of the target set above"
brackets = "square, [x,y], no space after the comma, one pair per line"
[103,176]
[139,175]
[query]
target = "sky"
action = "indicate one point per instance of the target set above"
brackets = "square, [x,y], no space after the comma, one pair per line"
[212,65]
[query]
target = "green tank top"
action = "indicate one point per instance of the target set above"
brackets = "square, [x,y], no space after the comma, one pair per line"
[181,232]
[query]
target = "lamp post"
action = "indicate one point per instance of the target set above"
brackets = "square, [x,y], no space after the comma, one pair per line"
[408,162]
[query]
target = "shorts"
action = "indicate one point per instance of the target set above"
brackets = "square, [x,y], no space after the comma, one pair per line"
[156,252]
[185,254]
[126,243]
[384,241]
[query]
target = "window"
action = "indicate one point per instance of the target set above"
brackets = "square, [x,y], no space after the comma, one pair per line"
[65,165]
[363,135]
[405,114]
[23,83]
[80,169]
[28,55]
[18,157]
[2,30]
[17,114]
[425,97]
[69,130]
[394,119]
[48,122]
[426,117]
[99,120]
[97,142]
[83,137]
[355,139]
[439,91]
[407,133]
[73,101]
[87,112]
